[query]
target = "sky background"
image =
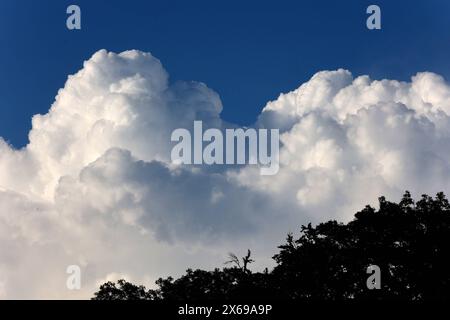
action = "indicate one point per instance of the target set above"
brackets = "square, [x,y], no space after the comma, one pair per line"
[248,51]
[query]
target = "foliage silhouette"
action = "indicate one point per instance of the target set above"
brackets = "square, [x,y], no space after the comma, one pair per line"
[409,241]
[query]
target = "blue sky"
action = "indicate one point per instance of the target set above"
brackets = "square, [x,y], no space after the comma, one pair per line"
[247,52]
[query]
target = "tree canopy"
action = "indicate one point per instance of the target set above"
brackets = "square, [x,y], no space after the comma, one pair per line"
[409,241]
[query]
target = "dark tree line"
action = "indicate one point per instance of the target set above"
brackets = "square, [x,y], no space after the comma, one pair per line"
[409,241]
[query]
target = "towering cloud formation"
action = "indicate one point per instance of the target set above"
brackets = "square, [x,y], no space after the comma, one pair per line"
[95,185]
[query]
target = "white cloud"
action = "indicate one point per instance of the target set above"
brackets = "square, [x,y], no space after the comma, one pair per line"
[95,186]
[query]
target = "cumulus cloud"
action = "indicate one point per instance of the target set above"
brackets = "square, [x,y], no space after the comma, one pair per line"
[95,185]
[347,140]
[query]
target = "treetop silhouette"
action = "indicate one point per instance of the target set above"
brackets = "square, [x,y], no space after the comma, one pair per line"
[409,241]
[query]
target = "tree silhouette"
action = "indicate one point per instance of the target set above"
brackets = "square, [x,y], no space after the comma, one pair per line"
[123,291]
[408,241]
[245,261]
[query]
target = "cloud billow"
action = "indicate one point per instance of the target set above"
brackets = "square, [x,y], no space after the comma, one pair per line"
[95,185]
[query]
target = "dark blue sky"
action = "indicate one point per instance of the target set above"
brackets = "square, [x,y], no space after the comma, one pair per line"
[248,52]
